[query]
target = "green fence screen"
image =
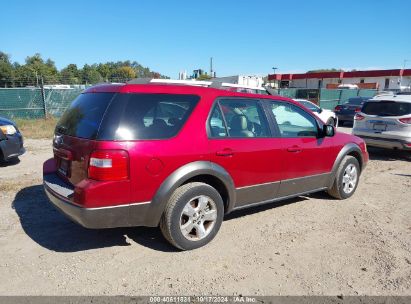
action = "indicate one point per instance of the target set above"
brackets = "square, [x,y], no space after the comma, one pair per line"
[329,99]
[29,102]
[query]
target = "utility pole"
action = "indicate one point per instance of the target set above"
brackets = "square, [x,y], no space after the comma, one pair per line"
[211,67]
[403,68]
[43,96]
[278,85]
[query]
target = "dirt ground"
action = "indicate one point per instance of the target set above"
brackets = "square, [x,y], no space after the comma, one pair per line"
[305,246]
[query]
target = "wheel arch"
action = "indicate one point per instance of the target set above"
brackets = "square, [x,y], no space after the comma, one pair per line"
[199,171]
[351,149]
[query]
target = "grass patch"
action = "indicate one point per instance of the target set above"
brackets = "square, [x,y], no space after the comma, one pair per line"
[37,128]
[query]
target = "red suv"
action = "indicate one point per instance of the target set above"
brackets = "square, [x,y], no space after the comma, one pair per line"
[182,157]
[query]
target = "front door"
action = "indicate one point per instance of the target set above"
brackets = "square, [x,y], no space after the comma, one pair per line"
[307,157]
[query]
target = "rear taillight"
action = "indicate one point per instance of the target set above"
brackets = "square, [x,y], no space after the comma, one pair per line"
[358,117]
[405,120]
[337,108]
[357,110]
[108,165]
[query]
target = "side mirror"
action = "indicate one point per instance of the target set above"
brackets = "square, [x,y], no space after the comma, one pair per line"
[328,130]
[320,110]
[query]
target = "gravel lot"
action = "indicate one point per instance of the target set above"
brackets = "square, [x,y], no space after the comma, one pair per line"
[305,246]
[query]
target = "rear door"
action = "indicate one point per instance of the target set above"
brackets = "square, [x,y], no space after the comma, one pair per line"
[241,142]
[306,158]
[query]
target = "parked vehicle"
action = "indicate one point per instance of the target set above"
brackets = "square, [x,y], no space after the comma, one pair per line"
[11,140]
[346,111]
[348,86]
[385,121]
[328,116]
[181,157]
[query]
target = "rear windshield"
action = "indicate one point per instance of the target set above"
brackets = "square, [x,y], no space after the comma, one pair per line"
[387,108]
[146,116]
[83,117]
[355,101]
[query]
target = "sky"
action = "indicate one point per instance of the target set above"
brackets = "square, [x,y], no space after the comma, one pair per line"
[243,37]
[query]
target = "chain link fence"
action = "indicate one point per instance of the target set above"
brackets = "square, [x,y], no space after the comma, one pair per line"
[33,103]
[326,98]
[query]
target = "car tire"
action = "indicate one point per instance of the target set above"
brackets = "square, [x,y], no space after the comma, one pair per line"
[193,216]
[331,121]
[346,179]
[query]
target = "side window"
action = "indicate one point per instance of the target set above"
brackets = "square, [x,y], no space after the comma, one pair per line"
[293,121]
[244,118]
[217,125]
[146,116]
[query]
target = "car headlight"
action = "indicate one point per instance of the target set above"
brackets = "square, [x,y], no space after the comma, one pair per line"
[8,129]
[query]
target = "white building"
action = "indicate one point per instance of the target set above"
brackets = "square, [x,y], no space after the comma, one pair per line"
[251,81]
[373,79]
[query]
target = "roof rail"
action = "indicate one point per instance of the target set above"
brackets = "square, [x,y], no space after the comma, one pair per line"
[184,82]
[211,84]
[139,81]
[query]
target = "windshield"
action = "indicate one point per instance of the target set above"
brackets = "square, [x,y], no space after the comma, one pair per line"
[387,108]
[309,105]
[355,101]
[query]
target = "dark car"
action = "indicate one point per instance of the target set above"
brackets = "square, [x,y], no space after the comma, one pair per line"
[346,111]
[181,157]
[11,140]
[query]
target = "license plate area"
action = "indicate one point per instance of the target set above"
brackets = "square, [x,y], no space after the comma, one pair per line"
[64,166]
[379,126]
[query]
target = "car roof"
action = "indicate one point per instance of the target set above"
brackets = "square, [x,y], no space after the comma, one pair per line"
[177,89]
[392,97]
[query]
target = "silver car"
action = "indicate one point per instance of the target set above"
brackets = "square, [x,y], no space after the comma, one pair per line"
[385,121]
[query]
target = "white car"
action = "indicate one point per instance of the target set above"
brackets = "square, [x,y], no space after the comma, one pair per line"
[327,116]
[385,121]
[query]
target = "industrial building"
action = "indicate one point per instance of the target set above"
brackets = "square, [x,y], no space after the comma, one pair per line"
[382,80]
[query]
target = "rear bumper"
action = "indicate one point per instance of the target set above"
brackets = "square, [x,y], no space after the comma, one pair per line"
[61,194]
[387,143]
[345,117]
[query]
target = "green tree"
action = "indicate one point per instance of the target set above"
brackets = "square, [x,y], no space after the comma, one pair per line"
[105,70]
[70,75]
[36,68]
[6,71]
[90,74]
[124,73]
[204,77]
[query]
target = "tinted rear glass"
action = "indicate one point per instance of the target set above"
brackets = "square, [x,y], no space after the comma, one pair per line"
[83,117]
[146,116]
[387,108]
[355,101]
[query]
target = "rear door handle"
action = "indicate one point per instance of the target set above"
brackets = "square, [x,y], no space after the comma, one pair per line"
[225,152]
[294,149]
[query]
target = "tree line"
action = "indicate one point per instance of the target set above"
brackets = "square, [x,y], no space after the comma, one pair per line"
[36,71]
